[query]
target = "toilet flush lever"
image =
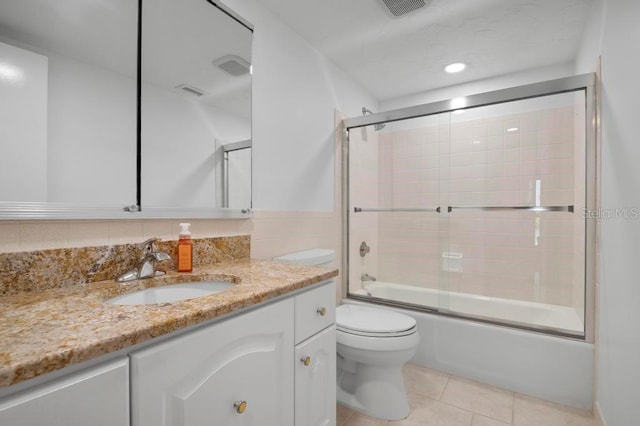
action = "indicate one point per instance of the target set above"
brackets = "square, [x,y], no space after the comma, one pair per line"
[364,249]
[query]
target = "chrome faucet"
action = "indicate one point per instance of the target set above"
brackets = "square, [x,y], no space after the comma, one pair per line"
[366,277]
[147,266]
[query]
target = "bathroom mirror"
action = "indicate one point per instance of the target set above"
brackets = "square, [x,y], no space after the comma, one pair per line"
[68,72]
[72,108]
[195,92]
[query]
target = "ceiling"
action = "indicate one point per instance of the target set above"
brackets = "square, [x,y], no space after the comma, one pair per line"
[179,42]
[100,32]
[394,57]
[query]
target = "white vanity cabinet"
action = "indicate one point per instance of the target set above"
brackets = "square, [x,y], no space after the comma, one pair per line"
[235,372]
[274,365]
[98,396]
[315,355]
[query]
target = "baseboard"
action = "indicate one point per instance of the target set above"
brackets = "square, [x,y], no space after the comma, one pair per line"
[597,415]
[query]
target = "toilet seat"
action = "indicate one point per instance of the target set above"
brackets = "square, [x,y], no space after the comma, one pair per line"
[377,344]
[373,322]
[373,344]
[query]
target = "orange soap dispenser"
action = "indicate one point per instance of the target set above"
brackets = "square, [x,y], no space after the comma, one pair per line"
[185,249]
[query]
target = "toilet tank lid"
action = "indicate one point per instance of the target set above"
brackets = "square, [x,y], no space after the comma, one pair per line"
[309,257]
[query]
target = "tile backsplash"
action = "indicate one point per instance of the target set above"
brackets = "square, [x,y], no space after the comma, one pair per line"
[40,270]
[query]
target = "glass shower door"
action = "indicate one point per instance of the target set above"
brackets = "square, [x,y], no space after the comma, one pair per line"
[517,193]
[478,212]
[395,230]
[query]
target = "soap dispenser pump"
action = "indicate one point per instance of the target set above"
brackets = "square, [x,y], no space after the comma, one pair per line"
[185,249]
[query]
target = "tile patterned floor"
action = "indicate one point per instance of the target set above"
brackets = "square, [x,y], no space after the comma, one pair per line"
[439,399]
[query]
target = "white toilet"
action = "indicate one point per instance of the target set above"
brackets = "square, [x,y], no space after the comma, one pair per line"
[373,344]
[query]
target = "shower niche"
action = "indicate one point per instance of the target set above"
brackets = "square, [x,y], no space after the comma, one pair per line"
[478,212]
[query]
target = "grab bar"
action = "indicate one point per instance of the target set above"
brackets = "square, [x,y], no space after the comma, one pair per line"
[366,209]
[521,208]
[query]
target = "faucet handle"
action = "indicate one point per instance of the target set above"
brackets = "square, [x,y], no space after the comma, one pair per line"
[148,246]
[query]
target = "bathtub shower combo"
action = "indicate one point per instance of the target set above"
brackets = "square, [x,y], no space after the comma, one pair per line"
[470,216]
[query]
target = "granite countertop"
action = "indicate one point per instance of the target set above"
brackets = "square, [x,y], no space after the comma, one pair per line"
[49,330]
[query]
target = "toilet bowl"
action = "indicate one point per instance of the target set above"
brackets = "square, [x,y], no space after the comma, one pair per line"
[373,344]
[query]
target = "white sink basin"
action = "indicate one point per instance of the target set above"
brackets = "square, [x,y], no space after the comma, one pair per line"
[171,293]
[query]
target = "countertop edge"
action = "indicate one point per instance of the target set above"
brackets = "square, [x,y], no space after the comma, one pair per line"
[22,372]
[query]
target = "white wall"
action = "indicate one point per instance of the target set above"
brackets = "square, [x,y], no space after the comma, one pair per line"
[82,104]
[91,134]
[619,339]
[23,124]
[295,92]
[179,136]
[591,44]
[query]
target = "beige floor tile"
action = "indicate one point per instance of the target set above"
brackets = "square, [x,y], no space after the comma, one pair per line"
[468,403]
[530,411]
[342,414]
[358,419]
[424,381]
[482,399]
[479,420]
[429,412]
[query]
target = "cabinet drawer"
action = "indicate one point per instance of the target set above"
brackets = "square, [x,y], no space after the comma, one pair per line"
[314,310]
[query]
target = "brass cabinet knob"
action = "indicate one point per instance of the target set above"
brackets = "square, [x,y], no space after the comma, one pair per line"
[322,311]
[240,406]
[306,360]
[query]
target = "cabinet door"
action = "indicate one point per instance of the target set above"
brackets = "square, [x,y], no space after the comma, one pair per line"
[315,310]
[201,378]
[98,396]
[315,400]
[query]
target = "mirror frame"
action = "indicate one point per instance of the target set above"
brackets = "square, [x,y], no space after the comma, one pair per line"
[226,149]
[20,210]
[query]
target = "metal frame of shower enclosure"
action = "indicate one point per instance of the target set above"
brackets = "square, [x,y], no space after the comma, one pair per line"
[586,82]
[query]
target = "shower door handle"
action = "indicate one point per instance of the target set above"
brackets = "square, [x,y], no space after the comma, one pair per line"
[370,209]
[569,208]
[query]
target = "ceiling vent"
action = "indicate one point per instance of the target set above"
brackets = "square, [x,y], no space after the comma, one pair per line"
[191,90]
[233,65]
[399,8]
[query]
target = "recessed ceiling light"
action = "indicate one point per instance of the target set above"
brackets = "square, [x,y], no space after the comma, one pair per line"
[11,73]
[512,129]
[458,103]
[456,67]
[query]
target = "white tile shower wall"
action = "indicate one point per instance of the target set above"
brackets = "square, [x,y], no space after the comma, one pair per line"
[410,178]
[488,165]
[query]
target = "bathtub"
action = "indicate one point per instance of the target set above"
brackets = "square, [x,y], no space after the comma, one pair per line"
[549,367]
[561,318]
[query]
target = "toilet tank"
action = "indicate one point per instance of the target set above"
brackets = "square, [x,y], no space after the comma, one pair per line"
[316,257]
